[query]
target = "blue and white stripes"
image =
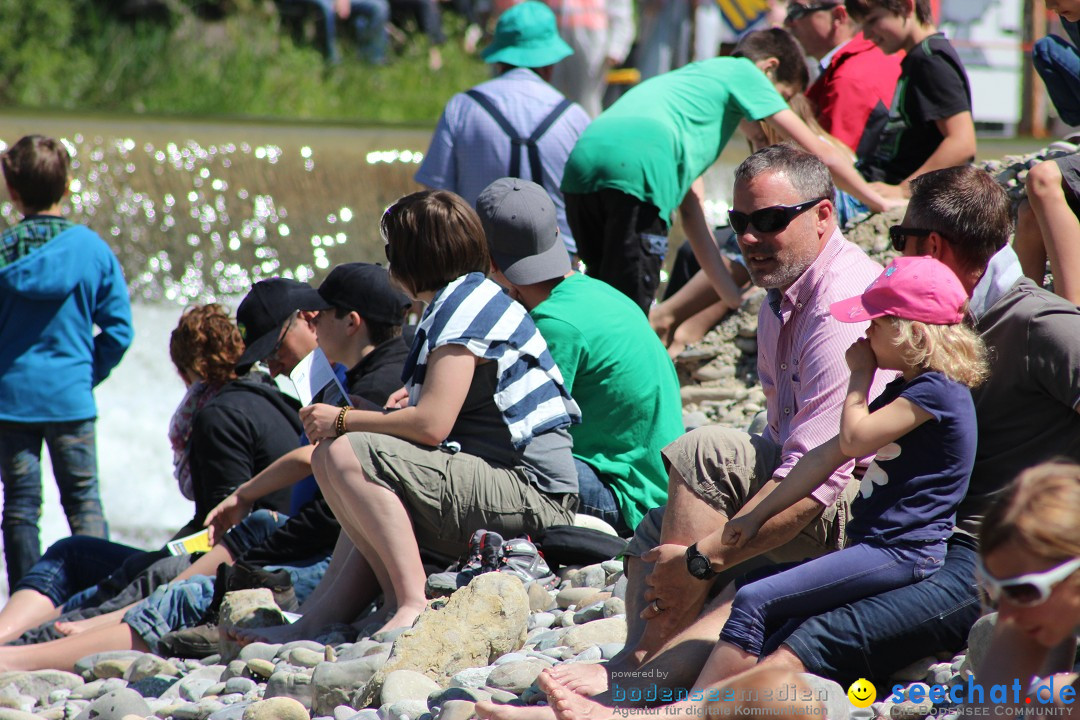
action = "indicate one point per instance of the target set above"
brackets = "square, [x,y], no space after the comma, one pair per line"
[474,311]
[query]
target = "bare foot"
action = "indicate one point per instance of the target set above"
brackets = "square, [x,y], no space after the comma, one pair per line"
[68,629]
[487,710]
[405,616]
[582,678]
[568,705]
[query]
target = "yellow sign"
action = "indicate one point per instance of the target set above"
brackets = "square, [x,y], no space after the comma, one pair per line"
[741,14]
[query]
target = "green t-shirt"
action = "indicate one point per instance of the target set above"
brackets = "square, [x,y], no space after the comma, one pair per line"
[624,382]
[663,134]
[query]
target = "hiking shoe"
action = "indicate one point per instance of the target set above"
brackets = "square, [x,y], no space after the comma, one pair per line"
[193,642]
[521,558]
[484,555]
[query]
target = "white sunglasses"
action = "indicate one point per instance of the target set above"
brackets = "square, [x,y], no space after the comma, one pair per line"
[1026,590]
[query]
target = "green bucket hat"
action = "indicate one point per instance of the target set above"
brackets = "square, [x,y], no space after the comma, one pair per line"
[526,36]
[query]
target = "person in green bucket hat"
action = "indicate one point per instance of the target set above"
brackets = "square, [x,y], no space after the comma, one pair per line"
[514,125]
[527,36]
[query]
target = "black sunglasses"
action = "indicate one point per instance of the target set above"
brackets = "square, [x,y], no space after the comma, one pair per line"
[898,235]
[798,12]
[769,219]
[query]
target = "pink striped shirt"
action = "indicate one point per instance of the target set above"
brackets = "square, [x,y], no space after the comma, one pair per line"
[801,357]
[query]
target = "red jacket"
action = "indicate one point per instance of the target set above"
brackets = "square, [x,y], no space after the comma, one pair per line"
[854,93]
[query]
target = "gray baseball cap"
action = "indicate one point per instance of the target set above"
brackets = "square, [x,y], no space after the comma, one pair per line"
[522,231]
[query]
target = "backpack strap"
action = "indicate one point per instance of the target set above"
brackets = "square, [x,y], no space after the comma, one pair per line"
[534,149]
[516,141]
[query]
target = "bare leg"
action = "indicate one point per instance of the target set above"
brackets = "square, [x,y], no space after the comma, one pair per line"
[341,595]
[364,552]
[374,517]
[81,626]
[62,654]
[688,518]
[697,327]
[1028,243]
[25,609]
[783,659]
[1060,228]
[693,297]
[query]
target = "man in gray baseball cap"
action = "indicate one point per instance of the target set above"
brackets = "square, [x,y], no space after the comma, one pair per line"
[611,360]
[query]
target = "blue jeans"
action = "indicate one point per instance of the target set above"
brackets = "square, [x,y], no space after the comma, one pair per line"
[1058,63]
[596,499]
[182,604]
[876,636]
[74,459]
[74,564]
[765,610]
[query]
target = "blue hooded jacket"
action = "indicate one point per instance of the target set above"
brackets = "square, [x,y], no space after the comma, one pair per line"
[50,301]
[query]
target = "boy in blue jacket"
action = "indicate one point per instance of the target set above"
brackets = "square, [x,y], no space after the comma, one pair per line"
[58,280]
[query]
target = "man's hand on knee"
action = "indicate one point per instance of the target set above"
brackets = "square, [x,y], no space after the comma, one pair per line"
[670,586]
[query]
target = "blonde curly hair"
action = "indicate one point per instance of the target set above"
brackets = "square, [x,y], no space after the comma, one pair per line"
[956,351]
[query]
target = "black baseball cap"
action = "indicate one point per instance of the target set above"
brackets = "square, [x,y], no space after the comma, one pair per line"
[366,289]
[265,309]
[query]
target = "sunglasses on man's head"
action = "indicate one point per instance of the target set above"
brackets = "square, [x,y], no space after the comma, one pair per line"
[898,235]
[798,12]
[769,219]
[1026,590]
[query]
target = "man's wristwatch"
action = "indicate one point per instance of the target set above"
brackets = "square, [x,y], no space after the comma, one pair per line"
[698,564]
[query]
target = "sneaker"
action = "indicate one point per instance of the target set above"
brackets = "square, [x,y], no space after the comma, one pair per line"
[521,558]
[484,555]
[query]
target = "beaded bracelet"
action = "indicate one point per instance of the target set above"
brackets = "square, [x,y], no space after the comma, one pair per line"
[340,424]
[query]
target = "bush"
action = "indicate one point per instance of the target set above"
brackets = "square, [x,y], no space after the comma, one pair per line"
[207,58]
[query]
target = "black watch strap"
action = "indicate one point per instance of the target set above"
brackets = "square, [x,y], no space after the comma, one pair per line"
[698,564]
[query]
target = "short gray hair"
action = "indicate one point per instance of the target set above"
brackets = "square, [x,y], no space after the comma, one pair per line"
[807,174]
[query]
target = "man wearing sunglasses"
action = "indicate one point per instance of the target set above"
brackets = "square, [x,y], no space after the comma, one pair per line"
[1027,413]
[786,228]
[855,87]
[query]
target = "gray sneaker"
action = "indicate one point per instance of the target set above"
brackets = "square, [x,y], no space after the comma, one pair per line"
[484,555]
[521,558]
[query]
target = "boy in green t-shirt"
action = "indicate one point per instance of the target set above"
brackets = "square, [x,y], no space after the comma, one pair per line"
[639,161]
[611,361]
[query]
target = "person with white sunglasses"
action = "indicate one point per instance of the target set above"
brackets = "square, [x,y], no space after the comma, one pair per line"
[1029,569]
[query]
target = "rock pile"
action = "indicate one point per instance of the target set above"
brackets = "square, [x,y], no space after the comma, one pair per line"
[489,641]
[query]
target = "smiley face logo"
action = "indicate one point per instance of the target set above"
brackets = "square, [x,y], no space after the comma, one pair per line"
[862,693]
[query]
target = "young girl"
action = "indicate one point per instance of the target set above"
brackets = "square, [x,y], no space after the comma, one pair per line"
[923,431]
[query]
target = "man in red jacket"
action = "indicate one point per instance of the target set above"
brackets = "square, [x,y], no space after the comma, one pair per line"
[853,93]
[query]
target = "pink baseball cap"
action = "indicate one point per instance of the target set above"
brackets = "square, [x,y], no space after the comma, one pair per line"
[911,288]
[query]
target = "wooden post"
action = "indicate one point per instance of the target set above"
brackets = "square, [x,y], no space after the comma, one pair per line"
[1033,107]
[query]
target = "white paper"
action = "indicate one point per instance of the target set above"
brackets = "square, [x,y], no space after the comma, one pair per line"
[313,375]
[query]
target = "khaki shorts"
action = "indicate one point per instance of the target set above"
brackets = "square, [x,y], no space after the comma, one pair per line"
[451,495]
[725,468]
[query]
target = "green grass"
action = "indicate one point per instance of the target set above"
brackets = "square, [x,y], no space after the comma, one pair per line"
[74,55]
